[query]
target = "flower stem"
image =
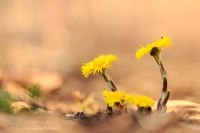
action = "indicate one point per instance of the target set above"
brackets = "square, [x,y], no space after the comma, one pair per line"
[111,85]
[161,106]
[109,80]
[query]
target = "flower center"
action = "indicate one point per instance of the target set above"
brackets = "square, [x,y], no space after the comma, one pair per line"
[98,63]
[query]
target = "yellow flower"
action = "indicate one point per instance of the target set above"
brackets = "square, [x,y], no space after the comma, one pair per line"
[117,97]
[129,99]
[143,101]
[163,42]
[98,64]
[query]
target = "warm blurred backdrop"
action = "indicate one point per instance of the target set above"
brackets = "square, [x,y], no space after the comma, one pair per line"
[45,42]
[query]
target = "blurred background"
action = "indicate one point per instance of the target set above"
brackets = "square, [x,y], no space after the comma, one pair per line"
[46,42]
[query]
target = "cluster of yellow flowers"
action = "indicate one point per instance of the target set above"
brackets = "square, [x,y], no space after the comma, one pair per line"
[125,99]
[102,62]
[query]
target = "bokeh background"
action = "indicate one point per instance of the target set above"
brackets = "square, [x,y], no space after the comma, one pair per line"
[45,42]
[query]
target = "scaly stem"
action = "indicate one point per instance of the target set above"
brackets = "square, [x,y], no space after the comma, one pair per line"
[108,79]
[111,85]
[161,106]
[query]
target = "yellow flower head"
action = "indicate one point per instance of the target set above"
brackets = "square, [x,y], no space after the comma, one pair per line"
[143,101]
[98,64]
[117,97]
[129,99]
[163,42]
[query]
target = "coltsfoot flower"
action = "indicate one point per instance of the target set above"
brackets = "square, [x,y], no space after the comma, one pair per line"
[158,45]
[129,99]
[120,97]
[98,65]
[143,101]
